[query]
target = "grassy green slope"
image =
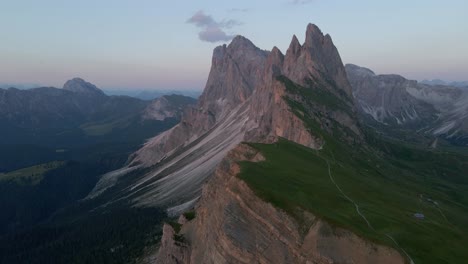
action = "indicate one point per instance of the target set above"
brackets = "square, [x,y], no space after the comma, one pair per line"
[30,175]
[294,176]
[388,181]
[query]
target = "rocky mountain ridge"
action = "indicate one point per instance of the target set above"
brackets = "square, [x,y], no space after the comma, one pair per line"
[230,227]
[274,165]
[256,96]
[245,99]
[437,82]
[392,100]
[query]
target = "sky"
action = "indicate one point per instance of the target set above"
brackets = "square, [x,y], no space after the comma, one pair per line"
[156,44]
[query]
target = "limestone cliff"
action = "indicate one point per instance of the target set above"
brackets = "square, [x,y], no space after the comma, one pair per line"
[242,74]
[247,97]
[233,225]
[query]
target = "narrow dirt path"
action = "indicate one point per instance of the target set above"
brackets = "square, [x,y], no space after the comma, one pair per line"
[359,211]
[398,245]
[443,215]
[347,197]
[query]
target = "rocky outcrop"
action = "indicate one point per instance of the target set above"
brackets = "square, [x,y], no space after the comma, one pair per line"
[173,249]
[230,227]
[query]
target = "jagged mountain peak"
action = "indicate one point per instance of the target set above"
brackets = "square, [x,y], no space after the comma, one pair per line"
[274,62]
[247,97]
[241,42]
[313,34]
[276,56]
[316,58]
[294,48]
[315,39]
[79,85]
[241,73]
[234,72]
[276,51]
[242,49]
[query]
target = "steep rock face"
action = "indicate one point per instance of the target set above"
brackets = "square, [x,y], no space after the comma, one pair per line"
[232,79]
[245,99]
[171,251]
[271,112]
[243,74]
[317,58]
[230,227]
[315,65]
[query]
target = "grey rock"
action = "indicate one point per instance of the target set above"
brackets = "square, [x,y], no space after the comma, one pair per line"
[392,100]
[243,100]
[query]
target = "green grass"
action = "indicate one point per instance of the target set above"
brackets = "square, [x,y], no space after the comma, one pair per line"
[30,175]
[178,238]
[316,92]
[389,180]
[295,177]
[189,215]
[176,226]
[106,126]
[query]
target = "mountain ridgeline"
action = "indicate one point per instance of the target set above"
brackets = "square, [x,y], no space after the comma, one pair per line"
[80,114]
[279,166]
[404,108]
[54,145]
[281,160]
[251,95]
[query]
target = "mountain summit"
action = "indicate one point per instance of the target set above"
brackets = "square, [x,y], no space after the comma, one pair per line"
[78,85]
[273,166]
[250,95]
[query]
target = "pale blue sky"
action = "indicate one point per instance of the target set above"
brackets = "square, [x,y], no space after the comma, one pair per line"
[150,44]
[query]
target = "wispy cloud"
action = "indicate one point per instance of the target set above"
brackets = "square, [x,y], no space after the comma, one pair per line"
[238,10]
[212,30]
[300,2]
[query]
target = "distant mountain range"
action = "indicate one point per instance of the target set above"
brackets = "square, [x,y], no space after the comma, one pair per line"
[395,103]
[81,114]
[461,84]
[21,86]
[285,158]
[152,94]
[54,143]
[144,94]
[281,161]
